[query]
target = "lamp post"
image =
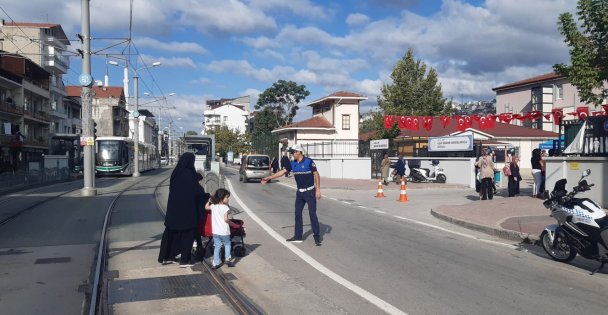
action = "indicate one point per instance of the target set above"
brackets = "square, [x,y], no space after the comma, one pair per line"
[159,136]
[135,116]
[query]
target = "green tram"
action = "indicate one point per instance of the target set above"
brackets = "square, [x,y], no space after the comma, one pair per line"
[115,155]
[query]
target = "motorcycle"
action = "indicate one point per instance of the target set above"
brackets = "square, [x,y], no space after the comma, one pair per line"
[424,175]
[581,225]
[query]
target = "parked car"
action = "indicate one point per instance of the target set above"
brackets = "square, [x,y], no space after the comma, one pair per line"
[254,166]
[164,160]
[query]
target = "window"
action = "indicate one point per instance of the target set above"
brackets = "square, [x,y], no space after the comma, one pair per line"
[559,92]
[345,122]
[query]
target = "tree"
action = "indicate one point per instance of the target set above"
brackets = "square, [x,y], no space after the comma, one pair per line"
[191,133]
[588,50]
[282,98]
[227,139]
[266,121]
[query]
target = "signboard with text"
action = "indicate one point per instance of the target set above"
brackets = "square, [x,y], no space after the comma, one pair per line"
[87,141]
[455,143]
[378,144]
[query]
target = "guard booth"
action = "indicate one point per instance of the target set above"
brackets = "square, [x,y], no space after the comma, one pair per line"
[203,148]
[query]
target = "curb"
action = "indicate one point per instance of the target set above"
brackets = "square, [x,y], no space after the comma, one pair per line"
[502,233]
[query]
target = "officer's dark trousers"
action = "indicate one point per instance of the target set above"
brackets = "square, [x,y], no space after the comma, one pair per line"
[307,197]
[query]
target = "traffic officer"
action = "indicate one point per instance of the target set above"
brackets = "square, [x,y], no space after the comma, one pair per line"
[309,190]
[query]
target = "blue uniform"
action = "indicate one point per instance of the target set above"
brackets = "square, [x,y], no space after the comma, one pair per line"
[303,173]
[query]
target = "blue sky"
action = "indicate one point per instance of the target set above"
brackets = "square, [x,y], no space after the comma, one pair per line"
[227,48]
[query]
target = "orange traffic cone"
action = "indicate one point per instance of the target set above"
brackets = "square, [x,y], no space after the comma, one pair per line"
[403,194]
[380,193]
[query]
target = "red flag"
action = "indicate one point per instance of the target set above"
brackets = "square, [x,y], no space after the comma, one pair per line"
[605,107]
[445,120]
[415,123]
[505,117]
[558,115]
[468,121]
[483,123]
[597,113]
[389,121]
[582,112]
[520,117]
[475,117]
[461,124]
[427,122]
[535,114]
[547,116]
[403,122]
[491,121]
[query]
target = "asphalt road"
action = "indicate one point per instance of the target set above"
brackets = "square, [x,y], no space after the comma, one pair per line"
[412,268]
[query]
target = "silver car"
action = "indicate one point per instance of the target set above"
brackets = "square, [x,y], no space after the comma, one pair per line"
[254,166]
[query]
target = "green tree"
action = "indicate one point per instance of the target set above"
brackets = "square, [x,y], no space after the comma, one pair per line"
[227,139]
[588,50]
[191,133]
[282,98]
[265,121]
[414,90]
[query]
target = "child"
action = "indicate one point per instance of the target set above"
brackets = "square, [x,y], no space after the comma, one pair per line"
[218,204]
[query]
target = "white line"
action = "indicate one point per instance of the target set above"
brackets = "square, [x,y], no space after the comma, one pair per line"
[378,211]
[346,202]
[363,207]
[457,233]
[383,305]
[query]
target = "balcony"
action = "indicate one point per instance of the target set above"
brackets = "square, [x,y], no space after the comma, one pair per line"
[39,116]
[57,63]
[11,108]
[39,142]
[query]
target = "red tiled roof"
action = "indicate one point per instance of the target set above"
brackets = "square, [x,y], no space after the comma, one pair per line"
[501,130]
[99,92]
[536,79]
[30,24]
[314,122]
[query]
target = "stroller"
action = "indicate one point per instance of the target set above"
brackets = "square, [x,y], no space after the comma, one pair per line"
[237,234]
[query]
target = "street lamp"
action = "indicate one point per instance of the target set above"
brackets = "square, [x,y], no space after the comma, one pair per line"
[160,108]
[135,116]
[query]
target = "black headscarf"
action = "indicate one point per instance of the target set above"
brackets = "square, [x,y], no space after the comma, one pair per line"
[184,206]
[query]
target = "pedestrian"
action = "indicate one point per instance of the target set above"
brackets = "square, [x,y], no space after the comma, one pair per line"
[400,167]
[183,213]
[384,168]
[274,165]
[514,177]
[543,166]
[308,192]
[486,175]
[537,170]
[199,254]
[285,163]
[218,204]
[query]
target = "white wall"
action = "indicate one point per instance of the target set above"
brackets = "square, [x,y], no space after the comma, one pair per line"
[353,168]
[571,168]
[236,117]
[457,170]
[353,111]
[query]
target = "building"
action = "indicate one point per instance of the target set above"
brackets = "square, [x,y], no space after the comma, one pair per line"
[45,44]
[543,93]
[232,113]
[333,129]
[108,109]
[24,111]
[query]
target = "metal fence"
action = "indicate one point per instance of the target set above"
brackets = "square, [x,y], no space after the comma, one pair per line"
[213,181]
[37,173]
[331,149]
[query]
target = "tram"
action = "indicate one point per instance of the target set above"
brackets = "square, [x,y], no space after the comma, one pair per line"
[115,155]
[67,144]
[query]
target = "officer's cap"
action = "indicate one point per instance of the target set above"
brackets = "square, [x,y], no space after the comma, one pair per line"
[296,147]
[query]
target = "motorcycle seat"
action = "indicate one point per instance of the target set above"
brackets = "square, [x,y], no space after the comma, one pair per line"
[427,170]
[603,223]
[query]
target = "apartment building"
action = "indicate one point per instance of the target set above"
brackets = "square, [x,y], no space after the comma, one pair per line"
[233,113]
[108,109]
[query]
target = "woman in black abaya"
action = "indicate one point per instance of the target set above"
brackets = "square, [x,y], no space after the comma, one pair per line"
[184,210]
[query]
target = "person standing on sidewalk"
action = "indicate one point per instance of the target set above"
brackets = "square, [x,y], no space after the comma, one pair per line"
[385,167]
[486,175]
[400,167]
[537,170]
[308,191]
[515,177]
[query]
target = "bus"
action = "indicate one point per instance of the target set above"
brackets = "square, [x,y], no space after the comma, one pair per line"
[115,155]
[203,148]
[67,144]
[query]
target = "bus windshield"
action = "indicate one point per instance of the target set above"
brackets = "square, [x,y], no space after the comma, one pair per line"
[109,150]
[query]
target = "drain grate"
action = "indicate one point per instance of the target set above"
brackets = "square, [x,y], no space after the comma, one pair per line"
[147,289]
[55,260]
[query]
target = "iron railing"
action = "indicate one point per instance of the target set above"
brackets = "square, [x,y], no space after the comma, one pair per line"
[332,149]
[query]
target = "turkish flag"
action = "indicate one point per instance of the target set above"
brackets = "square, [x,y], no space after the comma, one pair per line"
[445,120]
[520,117]
[505,117]
[475,117]
[582,112]
[469,121]
[558,115]
[598,113]
[403,122]
[605,107]
[461,124]
[415,123]
[483,123]
[427,122]
[535,114]
[389,121]
[547,116]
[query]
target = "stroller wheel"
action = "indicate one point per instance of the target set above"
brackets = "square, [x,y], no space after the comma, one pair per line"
[239,251]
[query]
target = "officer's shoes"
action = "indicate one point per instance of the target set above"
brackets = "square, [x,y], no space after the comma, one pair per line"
[317,240]
[294,240]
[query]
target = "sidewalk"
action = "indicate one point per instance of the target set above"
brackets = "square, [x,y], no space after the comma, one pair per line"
[520,218]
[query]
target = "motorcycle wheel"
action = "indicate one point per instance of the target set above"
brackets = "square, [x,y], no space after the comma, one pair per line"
[441,178]
[563,253]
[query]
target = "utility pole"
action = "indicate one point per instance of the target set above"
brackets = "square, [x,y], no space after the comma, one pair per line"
[87,123]
[136,125]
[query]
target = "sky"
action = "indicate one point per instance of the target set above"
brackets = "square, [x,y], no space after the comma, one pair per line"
[211,49]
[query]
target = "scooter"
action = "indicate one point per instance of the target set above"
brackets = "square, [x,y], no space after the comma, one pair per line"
[424,175]
[581,225]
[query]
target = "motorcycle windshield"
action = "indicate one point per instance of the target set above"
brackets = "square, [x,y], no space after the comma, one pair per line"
[560,186]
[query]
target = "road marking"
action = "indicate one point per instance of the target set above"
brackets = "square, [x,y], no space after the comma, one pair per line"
[383,305]
[454,232]
[363,207]
[378,211]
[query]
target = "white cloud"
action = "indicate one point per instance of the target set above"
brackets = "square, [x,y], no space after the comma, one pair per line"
[304,8]
[357,19]
[243,67]
[179,62]
[188,112]
[177,47]
[260,42]
[201,81]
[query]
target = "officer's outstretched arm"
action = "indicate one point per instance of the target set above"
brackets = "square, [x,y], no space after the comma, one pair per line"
[273,176]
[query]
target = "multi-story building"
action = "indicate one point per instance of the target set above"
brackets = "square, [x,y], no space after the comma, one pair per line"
[108,109]
[233,113]
[24,111]
[45,44]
